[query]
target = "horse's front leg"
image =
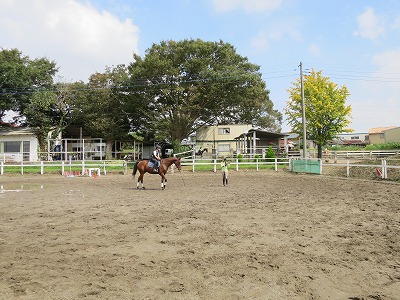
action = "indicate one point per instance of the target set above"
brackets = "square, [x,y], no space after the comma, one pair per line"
[163,181]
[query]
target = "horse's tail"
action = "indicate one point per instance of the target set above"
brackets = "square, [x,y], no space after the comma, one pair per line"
[135,169]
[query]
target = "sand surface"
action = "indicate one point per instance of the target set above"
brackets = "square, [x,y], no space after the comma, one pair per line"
[266,235]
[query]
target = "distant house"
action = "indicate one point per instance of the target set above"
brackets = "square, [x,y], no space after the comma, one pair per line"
[392,135]
[227,140]
[355,139]
[18,144]
[377,135]
[220,139]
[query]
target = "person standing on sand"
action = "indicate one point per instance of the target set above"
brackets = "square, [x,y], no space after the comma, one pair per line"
[224,169]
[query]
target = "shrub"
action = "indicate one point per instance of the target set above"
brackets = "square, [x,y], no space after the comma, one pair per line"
[270,153]
[385,146]
[240,157]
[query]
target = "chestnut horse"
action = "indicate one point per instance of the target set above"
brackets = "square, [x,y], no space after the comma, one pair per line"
[143,167]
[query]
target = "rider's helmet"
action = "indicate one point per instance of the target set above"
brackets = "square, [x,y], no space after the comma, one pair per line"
[158,147]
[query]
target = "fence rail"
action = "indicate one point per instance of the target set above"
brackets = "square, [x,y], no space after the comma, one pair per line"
[65,168]
[256,163]
[83,168]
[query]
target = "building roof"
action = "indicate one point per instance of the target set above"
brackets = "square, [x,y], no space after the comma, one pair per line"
[16,131]
[380,129]
[262,134]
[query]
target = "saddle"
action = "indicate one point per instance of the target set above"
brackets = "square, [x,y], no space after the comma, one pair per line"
[153,164]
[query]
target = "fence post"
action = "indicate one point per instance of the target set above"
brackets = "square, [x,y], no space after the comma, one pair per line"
[83,167]
[22,167]
[62,168]
[384,169]
[2,168]
[256,164]
[276,164]
[104,167]
[215,166]
[237,164]
[320,166]
[348,168]
[193,165]
[41,168]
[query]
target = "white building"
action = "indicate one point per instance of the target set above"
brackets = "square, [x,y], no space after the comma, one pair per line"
[18,144]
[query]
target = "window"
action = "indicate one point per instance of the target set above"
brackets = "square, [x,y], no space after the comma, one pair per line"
[224,130]
[223,147]
[355,137]
[13,147]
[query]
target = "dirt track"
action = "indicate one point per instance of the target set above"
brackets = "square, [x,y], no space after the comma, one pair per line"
[265,236]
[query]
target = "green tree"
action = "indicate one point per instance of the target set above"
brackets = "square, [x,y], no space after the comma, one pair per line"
[102,112]
[20,78]
[39,115]
[325,106]
[49,112]
[180,86]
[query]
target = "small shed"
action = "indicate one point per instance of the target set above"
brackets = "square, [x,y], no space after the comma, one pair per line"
[18,144]
[257,141]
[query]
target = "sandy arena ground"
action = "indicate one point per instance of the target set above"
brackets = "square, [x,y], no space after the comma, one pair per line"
[265,236]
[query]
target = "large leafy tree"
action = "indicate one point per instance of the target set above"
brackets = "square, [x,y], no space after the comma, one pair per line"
[20,78]
[102,111]
[180,86]
[325,107]
[51,111]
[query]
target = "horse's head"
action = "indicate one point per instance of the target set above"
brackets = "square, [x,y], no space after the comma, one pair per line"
[177,163]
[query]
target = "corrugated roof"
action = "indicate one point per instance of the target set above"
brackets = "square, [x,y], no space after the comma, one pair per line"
[16,131]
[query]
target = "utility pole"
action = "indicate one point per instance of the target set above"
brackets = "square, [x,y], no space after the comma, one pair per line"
[304,112]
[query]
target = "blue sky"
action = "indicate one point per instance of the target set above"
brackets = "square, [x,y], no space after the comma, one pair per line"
[354,43]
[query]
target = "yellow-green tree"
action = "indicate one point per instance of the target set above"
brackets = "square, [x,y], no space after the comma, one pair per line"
[325,107]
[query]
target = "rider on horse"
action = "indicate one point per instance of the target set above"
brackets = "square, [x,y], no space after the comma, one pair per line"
[156,158]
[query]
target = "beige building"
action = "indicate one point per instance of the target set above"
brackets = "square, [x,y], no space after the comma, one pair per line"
[227,140]
[392,135]
[220,139]
[378,135]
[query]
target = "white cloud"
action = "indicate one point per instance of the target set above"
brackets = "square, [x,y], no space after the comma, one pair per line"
[79,38]
[260,42]
[247,5]
[376,100]
[315,50]
[396,23]
[370,26]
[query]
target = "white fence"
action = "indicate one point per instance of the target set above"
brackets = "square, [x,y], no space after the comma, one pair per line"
[255,163]
[88,167]
[380,169]
[344,155]
[65,168]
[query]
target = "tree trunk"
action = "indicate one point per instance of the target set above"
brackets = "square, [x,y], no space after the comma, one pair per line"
[109,146]
[319,151]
